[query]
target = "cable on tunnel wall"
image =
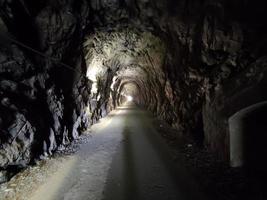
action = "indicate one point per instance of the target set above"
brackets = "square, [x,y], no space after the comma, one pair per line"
[39,53]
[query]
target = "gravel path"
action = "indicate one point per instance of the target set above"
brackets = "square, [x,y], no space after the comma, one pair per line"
[124,159]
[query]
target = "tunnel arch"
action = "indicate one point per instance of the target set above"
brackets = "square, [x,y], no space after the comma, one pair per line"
[127,54]
[248,138]
[138,94]
[196,54]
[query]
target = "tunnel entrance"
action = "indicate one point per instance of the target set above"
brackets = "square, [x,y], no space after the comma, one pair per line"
[248,138]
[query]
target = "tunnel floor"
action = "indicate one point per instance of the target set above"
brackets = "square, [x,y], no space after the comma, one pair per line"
[125,159]
[141,168]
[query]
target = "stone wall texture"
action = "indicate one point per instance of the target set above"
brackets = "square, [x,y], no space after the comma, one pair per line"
[192,63]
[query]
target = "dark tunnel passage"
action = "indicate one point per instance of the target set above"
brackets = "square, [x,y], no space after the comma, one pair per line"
[137,85]
[247,137]
[248,143]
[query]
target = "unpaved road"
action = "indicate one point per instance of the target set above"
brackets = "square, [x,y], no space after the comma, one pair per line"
[142,168]
[125,160]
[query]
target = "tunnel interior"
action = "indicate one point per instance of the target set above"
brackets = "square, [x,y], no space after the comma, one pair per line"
[123,63]
[66,64]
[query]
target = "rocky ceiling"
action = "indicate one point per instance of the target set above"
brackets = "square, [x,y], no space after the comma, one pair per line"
[64,64]
[127,58]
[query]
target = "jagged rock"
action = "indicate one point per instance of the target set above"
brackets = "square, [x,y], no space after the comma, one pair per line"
[178,60]
[17,149]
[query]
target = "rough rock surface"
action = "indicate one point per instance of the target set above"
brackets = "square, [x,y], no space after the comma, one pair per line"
[40,109]
[191,63]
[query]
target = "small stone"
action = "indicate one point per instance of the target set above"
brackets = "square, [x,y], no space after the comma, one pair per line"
[8,190]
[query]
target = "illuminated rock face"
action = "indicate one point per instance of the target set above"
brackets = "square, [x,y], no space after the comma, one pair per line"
[125,62]
[190,63]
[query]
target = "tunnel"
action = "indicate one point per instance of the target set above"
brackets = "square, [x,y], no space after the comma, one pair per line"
[247,141]
[246,146]
[133,99]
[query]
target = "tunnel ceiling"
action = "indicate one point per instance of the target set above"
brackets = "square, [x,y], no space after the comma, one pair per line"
[188,62]
[128,55]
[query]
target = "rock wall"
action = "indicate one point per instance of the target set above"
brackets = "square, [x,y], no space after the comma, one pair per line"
[193,64]
[42,100]
[214,64]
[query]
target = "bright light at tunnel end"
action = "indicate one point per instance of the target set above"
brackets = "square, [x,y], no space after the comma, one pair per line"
[129,98]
